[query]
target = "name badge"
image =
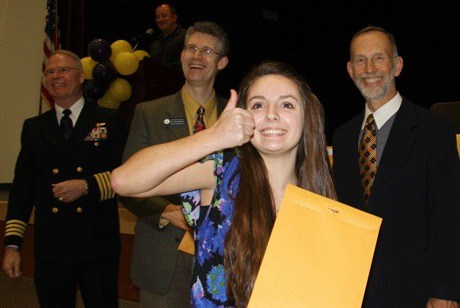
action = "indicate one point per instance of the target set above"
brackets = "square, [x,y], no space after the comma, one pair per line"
[174,122]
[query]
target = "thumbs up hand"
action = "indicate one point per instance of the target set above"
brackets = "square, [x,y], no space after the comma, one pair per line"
[235,126]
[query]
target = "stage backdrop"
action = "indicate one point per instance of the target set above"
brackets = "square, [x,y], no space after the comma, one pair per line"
[22,24]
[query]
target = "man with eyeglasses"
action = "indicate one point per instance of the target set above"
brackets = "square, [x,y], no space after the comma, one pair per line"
[158,268]
[63,172]
[399,161]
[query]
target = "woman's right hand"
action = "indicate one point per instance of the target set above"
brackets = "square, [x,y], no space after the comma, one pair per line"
[235,126]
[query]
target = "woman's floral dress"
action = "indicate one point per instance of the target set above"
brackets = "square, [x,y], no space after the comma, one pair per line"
[211,224]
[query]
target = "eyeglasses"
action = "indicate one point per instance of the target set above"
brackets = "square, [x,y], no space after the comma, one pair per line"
[60,71]
[205,51]
[377,60]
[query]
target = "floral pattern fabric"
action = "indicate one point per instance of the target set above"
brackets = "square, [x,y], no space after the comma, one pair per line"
[211,224]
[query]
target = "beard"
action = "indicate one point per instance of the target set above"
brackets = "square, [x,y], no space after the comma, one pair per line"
[377,92]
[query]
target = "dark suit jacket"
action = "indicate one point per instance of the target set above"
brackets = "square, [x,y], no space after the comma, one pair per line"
[88,228]
[167,49]
[417,193]
[155,251]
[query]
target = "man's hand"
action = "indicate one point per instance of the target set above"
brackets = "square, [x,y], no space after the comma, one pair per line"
[69,191]
[441,303]
[12,262]
[174,215]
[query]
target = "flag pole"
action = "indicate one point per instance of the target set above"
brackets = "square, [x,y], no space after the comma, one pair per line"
[50,44]
[56,42]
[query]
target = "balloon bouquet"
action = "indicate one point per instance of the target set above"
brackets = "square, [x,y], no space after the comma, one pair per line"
[103,69]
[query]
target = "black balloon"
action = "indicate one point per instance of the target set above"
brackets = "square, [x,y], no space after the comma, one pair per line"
[99,50]
[104,73]
[93,91]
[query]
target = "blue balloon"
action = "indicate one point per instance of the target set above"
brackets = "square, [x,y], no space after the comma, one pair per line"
[99,50]
[104,73]
[93,91]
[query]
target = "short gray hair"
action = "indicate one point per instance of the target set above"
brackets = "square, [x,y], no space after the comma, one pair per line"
[213,29]
[378,29]
[68,53]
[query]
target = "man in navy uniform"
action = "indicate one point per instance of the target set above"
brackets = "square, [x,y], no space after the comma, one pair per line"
[63,170]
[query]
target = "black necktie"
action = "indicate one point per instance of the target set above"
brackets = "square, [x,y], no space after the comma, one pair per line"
[66,123]
[199,123]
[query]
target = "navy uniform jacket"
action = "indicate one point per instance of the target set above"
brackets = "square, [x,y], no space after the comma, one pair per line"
[417,193]
[88,228]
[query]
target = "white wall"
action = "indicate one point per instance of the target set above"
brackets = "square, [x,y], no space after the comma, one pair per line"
[22,24]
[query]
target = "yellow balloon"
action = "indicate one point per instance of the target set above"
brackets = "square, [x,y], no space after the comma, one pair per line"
[119,46]
[108,101]
[120,89]
[126,63]
[88,64]
[141,54]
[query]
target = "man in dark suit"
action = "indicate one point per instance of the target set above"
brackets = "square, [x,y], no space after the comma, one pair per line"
[415,186]
[168,46]
[63,170]
[163,273]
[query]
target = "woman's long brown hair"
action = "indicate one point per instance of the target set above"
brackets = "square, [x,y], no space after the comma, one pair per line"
[254,214]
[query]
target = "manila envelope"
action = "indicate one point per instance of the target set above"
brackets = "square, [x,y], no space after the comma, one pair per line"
[319,254]
[188,243]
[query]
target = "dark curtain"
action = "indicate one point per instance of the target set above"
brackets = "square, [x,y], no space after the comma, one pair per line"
[71,24]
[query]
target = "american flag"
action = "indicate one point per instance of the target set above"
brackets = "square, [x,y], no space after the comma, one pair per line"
[50,43]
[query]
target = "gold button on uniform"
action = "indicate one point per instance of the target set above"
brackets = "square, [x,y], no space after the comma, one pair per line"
[79,169]
[55,210]
[79,210]
[96,144]
[55,170]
